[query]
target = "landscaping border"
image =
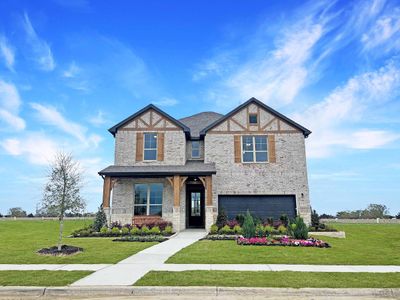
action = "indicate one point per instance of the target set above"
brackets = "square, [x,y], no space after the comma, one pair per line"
[104,291]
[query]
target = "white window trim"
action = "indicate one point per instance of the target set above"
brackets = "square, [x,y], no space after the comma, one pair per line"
[254,150]
[191,148]
[147,205]
[144,143]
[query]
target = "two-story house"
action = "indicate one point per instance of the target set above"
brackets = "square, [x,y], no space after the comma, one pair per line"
[252,158]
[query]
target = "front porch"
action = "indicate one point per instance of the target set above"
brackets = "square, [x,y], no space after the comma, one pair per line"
[182,195]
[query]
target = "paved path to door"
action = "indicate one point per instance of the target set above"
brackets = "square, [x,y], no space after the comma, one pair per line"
[131,269]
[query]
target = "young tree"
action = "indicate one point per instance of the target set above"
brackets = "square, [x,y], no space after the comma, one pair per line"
[62,191]
[100,220]
[17,212]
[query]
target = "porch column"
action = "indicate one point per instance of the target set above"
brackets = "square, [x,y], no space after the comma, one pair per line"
[209,202]
[107,186]
[176,210]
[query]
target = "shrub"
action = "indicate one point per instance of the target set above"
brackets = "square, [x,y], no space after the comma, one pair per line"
[116,224]
[314,219]
[249,229]
[135,230]
[284,219]
[240,219]
[270,221]
[145,230]
[260,232]
[257,220]
[232,223]
[155,230]
[269,230]
[167,230]
[214,229]
[125,230]
[222,219]
[115,231]
[100,220]
[103,230]
[238,230]
[298,229]
[161,224]
[226,230]
[282,229]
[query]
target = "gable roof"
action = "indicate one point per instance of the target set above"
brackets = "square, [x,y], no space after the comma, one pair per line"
[305,131]
[115,128]
[198,121]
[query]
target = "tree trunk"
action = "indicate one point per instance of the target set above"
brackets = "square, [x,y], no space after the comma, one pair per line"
[61,233]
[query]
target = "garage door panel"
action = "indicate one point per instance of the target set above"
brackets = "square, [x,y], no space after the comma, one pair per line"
[263,206]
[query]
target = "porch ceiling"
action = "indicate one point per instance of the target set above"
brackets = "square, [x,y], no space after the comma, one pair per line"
[191,168]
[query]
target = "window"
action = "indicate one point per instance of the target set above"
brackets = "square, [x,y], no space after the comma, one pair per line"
[195,149]
[195,207]
[150,146]
[253,119]
[254,148]
[148,199]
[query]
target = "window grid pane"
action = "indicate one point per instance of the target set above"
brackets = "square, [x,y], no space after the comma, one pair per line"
[255,149]
[150,146]
[195,207]
[195,149]
[148,199]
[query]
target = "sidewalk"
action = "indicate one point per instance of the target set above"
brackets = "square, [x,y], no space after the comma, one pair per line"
[131,269]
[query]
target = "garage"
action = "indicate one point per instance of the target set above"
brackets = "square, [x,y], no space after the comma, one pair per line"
[263,206]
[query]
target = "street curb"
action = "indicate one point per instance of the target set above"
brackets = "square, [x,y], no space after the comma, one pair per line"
[107,291]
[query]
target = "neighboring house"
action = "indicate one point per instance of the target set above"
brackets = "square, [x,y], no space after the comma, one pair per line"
[184,171]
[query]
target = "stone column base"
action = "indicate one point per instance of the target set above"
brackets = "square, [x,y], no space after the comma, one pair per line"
[107,211]
[210,217]
[176,218]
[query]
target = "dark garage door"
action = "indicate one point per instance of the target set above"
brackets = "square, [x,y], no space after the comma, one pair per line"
[261,206]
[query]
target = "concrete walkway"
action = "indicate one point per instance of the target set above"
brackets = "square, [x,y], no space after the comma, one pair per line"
[131,269]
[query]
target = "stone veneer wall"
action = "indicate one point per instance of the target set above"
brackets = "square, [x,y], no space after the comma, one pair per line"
[287,176]
[174,149]
[123,200]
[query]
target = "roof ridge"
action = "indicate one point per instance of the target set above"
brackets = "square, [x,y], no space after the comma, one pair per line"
[203,112]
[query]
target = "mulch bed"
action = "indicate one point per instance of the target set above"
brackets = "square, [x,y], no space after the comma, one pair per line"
[65,251]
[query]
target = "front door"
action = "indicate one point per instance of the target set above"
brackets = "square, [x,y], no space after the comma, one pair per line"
[195,206]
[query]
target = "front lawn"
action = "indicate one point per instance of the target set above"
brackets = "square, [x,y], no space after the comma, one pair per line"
[271,279]
[21,239]
[40,278]
[365,244]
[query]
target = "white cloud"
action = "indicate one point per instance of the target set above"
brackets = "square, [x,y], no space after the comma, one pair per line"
[10,103]
[51,116]
[72,70]
[41,50]
[348,105]
[385,32]
[7,52]
[166,102]
[99,119]
[37,148]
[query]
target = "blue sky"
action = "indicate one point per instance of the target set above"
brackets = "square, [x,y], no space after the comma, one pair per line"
[70,69]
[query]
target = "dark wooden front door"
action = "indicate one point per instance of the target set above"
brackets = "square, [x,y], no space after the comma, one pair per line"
[194,206]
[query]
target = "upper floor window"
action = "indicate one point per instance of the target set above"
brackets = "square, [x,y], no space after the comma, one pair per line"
[148,199]
[253,119]
[150,146]
[195,149]
[254,148]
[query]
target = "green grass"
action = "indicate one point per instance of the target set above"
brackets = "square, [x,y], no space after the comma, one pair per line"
[19,241]
[271,279]
[40,278]
[365,244]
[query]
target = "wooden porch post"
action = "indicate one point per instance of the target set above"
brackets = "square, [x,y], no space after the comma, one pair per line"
[208,190]
[106,192]
[177,190]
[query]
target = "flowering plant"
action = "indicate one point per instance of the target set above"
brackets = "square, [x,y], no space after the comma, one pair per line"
[284,241]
